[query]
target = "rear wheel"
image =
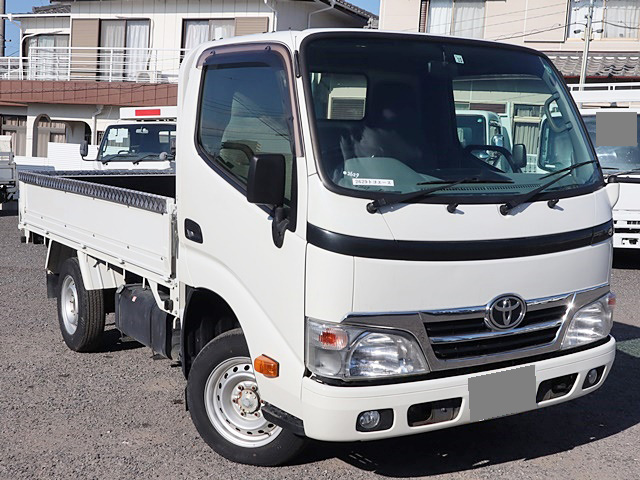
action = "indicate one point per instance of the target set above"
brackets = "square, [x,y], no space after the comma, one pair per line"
[80,311]
[225,406]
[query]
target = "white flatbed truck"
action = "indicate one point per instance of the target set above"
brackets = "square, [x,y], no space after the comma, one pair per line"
[8,177]
[143,138]
[349,278]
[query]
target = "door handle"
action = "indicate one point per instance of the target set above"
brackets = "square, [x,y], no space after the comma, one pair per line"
[192,231]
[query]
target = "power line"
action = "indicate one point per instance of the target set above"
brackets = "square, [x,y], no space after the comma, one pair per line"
[513,20]
[502,15]
[535,32]
[620,25]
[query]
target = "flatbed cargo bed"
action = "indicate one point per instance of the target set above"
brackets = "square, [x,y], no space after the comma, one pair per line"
[125,218]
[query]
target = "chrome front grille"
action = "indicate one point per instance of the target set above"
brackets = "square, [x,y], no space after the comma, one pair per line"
[459,338]
[471,337]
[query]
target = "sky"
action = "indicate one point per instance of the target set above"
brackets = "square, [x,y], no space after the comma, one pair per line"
[20,6]
[11,31]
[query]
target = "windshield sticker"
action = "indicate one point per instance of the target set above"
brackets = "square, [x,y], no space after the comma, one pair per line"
[374,182]
[458,58]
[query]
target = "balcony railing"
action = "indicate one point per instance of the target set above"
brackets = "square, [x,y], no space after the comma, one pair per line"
[140,65]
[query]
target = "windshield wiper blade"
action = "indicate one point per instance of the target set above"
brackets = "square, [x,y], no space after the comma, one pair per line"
[114,157]
[570,168]
[374,206]
[170,157]
[623,172]
[530,195]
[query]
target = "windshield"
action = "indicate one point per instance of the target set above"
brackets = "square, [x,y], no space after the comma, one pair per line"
[136,142]
[389,115]
[618,158]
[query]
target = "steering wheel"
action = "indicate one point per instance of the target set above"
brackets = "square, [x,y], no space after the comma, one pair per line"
[503,151]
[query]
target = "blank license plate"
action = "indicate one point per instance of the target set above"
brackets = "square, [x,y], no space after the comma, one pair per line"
[502,393]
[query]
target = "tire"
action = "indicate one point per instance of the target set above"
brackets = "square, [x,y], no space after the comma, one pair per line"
[80,312]
[218,371]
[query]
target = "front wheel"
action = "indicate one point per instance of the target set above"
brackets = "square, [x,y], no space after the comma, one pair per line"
[225,406]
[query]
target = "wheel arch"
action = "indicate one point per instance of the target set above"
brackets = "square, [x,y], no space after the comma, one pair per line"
[57,254]
[206,316]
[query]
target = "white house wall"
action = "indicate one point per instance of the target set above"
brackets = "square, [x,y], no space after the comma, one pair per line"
[73,115]
[167,16]
[38,25]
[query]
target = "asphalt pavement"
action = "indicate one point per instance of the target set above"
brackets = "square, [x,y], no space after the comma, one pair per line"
[120,414]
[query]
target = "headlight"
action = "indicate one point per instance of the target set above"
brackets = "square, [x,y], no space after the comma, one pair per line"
[590,323]
[348,352]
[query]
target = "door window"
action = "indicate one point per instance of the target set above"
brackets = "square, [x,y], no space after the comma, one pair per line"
[245,111]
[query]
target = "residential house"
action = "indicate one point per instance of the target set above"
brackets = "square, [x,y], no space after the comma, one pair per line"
[80,60]
[555,27]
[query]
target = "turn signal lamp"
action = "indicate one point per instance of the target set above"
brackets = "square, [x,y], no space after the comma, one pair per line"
[266,366]
[333,339]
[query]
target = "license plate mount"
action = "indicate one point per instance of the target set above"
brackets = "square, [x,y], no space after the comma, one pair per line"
[498,394]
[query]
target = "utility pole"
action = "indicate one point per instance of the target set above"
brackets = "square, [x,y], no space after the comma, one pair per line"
[2,37]
[587,40]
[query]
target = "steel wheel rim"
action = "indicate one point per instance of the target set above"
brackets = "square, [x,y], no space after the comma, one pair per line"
[69,305]
[230,391]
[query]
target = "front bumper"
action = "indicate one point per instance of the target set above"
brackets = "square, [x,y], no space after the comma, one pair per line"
[626,229]
[330,412]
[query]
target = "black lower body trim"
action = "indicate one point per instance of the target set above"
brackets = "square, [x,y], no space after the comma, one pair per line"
[283,419]
[457,250]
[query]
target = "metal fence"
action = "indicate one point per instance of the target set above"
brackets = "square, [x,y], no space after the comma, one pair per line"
[140,65]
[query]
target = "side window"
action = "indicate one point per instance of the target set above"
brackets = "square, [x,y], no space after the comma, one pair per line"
[245,111]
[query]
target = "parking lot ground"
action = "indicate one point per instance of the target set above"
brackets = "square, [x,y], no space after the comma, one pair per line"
[119,414]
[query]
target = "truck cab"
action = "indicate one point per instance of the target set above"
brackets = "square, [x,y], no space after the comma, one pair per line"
[616,160]
[8,176]
[141,136]
[340,266]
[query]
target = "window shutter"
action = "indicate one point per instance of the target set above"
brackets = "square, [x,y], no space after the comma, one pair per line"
[249,25]
[84,33]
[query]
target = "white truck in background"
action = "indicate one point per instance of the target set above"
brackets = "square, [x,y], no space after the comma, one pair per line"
[144,137]
[343,276]
[621,164]
[8,175]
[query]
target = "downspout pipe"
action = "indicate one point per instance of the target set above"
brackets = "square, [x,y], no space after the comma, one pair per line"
[94,128]
[332,4]
[275,14]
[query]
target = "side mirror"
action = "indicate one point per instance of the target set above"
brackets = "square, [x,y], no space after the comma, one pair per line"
[497,141]
[172,147]
[519,154]
[266,182]
[84,149]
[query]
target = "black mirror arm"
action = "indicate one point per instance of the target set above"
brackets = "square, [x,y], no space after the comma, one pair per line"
[279,225]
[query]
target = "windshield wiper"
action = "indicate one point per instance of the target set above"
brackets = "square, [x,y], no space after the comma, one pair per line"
[115,156]
[131,157]
[530,195]
[394,199]
[619,172]
[169,157]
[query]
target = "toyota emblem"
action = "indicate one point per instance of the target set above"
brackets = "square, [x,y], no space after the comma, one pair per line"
[505,312]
